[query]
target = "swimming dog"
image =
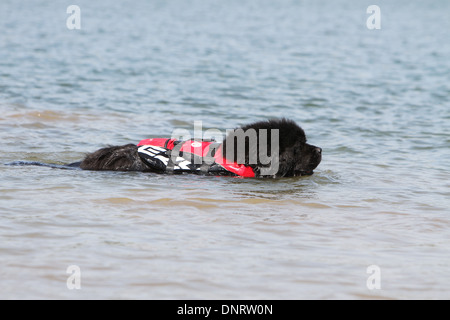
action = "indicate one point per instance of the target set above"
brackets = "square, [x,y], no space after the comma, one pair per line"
[244,152]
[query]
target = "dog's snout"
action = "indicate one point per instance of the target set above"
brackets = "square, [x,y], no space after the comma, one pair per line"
[318,150]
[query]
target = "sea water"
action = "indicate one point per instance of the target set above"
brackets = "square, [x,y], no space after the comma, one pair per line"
[372,222]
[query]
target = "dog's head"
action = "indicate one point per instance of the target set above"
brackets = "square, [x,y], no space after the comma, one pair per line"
[302,160]
[283,139]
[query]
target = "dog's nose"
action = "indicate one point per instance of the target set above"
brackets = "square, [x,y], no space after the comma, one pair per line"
[318,150]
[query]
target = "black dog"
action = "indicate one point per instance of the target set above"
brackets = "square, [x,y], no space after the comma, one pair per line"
[244,152]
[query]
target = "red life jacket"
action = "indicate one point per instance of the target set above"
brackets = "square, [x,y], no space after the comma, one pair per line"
[156,153]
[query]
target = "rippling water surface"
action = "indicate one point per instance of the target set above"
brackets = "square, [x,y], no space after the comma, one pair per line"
[376,101]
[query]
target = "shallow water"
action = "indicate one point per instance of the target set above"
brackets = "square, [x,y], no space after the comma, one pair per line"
[376,101]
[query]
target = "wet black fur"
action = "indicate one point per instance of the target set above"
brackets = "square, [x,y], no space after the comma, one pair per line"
[296,157]
[117,158]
